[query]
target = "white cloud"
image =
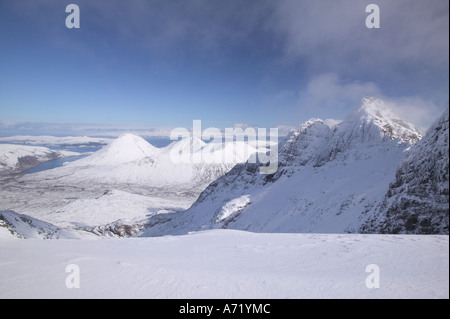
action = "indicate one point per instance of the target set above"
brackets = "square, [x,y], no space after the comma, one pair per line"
[9,128]
[327,95]
[420,112]
[332,34]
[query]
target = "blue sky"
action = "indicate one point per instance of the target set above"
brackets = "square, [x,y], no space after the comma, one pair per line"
[155,65]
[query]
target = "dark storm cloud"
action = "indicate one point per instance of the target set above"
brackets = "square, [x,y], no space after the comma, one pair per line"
[327,34]
[410,31]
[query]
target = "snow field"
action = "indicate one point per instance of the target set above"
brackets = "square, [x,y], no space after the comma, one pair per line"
[228,264]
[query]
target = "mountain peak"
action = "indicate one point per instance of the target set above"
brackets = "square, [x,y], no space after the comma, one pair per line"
[304,143]
[374,108]
[375,111]
[126,148]
[188,145]
[130,143]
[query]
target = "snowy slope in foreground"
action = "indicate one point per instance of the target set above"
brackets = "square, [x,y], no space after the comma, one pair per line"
[228,264]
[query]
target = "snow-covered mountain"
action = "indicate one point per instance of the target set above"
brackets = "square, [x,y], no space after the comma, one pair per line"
[119,186]
[127,148]
[132,160]
[330,178]
[418,199]
[16,158]
[375,120]
[371,172]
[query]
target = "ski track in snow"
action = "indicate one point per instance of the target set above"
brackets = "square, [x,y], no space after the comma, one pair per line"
[228,264]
